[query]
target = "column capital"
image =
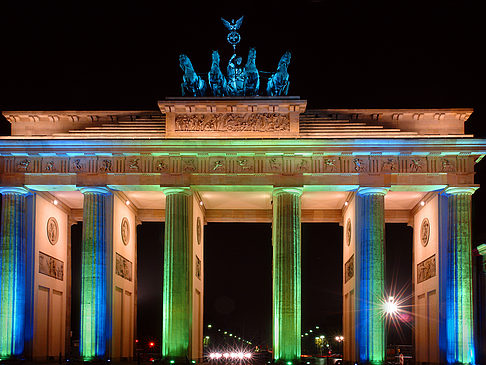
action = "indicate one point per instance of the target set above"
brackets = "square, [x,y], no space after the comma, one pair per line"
[482,250]
[14,190]
[454,190]
[94,189]
[288,190]
[177,190]
[369,190]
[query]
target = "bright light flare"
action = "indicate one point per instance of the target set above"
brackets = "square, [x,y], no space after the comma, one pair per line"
[236,356]
[390,306]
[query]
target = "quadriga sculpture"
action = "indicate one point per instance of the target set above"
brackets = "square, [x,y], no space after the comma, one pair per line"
[217,81]
[278,83]
[252,77]
[192,84]
[236,77]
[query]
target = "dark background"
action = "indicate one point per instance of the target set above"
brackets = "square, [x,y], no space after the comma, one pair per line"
[85,55]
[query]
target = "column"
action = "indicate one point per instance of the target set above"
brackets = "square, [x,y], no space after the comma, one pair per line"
[96,271]
[13,240]
[176,296]
[370,281]
[481,304]
[455,264]
[286,274]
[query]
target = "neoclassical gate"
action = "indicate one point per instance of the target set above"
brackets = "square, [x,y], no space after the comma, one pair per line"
[248,160]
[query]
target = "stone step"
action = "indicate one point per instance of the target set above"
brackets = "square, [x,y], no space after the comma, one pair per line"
[341,128]
[329,124]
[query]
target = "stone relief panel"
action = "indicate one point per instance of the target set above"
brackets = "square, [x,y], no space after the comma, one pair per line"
[349,269]
[232,163]
[52,230]
[51,266]
[426,269]
[197,270]
[123,267]
[232,122]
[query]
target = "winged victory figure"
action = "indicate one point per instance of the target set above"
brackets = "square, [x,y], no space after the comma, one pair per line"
[233,36]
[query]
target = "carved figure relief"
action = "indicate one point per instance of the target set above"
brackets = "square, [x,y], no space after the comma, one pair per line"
[245,165]
[348,232]
[415,165]
[23,164]
[424,232]
[274,164]
[106,166]
[198,230]
[197,270]
[302,166]
[50,166]
[389,165]
[51,266]
[77,165]
[52,230]
[161,165]
[426,269]
[133,164]
[123,267]
[359,165]
[217,165]
[125,231]
[447,166]
[189,165]
[349,269]
[232,122]
[330,165]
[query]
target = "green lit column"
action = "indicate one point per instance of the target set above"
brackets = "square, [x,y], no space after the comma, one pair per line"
[286,274]
[176,296]
[12,271]
[370,278]
[95,274]
[455,266]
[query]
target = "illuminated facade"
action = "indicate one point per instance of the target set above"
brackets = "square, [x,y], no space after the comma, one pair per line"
[232,160]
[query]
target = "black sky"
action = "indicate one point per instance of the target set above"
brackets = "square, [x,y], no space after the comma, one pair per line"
[94,55]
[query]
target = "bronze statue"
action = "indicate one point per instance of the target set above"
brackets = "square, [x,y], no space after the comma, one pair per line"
[278,83]
[252,77]
[192,84]
[217,81]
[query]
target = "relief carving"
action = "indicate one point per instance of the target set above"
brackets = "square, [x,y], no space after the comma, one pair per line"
[189,165]
[330,165]
[161,165]
[349,269]
[23,165]
[232,122]
[133,164]
[217,165]
[389,165]
[51,266]
[416,165]
[123,267]
[302,166]
[426,269]
[106,166]
[359,165]
[244,165]
[447,166]
[50,166]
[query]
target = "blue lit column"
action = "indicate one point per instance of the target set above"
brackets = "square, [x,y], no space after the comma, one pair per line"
[370,278]
[455,268]
[286,239]
[12,271]
[176,296]
[95,274]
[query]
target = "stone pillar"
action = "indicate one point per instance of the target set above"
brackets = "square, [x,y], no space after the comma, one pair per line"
[370,278]
[13,240]
[286,274]
[455,264]
[177,296]
[96,271]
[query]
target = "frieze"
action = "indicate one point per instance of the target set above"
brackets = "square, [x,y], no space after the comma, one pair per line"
[349,269]
[123,267]
[228,164]
[51,266]
[232,122]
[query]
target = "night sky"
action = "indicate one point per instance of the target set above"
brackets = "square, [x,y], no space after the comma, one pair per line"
[79,55]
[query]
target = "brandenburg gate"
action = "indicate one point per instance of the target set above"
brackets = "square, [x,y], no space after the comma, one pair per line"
[248,159]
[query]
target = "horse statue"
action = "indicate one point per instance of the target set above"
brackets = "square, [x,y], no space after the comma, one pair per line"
[278,83]
[252,77]
[192,84]
[217,81]
[236,77]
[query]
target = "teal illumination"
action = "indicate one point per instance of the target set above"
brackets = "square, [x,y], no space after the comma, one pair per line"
[95,264]
[286,274]
[12,272]
[370,280]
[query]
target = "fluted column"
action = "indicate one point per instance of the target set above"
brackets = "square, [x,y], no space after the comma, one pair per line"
[286,274]
[455,262]
[12,271]
[95,274]
[176,296]
[370,278]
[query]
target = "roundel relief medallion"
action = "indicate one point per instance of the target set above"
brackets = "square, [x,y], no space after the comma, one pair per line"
[348,232]
[199,230]
[52,230]
[425,232]
[125,231]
